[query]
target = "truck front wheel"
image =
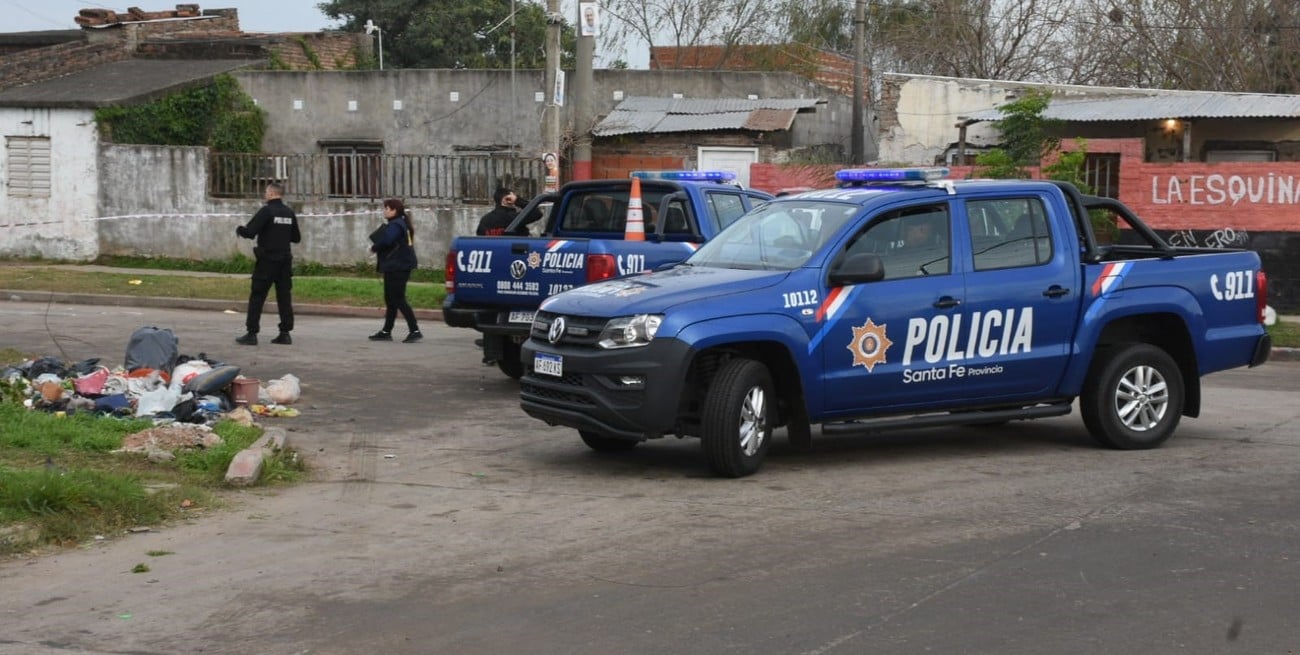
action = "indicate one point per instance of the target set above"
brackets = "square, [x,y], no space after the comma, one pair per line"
[510,362]
[1133,398]
[736,422]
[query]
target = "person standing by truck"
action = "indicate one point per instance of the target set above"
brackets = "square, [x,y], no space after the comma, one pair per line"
[394,245]
[275,227]
[495,222]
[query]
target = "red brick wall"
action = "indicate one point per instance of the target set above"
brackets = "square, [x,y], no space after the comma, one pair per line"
[333,50]
[1245,197]
[57,60]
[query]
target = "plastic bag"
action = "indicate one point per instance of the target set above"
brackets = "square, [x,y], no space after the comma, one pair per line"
[91,384]
[158,401]
[284,391]
[183,373]
[152,347]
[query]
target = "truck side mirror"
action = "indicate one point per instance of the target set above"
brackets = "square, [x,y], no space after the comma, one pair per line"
[856,269]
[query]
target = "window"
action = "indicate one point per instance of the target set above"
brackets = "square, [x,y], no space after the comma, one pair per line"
[29,166]
[911,241]
[725,207]
[355,170]
[1008,233]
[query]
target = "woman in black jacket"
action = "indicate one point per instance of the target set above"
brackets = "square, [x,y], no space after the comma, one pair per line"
[394,244]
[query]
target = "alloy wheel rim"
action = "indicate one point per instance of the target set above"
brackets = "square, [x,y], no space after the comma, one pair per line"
[753,421]
[1142,398]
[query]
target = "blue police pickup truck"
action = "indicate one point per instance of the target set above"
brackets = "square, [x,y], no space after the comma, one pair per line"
[898,300]
[495,283]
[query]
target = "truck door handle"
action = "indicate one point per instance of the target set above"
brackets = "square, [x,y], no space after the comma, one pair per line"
[946,302]
[518,248]
[1056,291]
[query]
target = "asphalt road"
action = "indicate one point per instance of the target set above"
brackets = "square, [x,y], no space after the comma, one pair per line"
[442,520]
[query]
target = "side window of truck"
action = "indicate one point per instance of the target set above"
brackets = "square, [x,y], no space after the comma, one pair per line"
[724,207]
[911,241]
[1008,233]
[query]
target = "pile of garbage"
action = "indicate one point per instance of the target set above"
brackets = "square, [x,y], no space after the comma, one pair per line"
[155,381]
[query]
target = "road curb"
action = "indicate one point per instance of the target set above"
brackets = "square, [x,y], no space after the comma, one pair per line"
[238,307]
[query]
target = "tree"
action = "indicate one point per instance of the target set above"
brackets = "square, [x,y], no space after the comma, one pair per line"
[454,33]
[1227,45]
[687,23]
[1026,136]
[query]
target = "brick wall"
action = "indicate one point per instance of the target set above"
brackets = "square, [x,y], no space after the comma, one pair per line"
[58,60]
[332,50]
[826,68]
[617,156]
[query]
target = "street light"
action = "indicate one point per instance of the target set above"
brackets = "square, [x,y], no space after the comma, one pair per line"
[371,28]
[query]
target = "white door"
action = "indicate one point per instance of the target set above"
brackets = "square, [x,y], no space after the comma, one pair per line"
[735,160]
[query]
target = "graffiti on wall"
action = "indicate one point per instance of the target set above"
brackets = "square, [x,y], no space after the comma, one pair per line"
[1222,238]
[1218,189]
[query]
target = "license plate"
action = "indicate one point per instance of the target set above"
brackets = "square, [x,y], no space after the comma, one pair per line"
[548,364]
[521,317]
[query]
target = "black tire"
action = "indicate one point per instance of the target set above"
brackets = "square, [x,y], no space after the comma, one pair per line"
[1133,397]
[603,444]
[510,362]
[736,423]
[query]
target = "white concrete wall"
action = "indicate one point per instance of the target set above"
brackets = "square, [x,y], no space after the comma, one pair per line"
[919,119]
[155,203]
[56,227]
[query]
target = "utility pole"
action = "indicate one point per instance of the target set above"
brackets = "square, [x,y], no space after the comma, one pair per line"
[551,119]
[583,83]
[859,27]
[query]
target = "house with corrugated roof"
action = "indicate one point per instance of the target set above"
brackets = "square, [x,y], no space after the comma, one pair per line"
[708,133]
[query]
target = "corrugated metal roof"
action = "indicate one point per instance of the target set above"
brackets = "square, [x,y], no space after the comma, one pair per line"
[1174,104]
[642,115]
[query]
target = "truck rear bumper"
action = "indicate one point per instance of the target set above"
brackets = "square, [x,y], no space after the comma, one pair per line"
[631,394]
[1263,348]
[488,321]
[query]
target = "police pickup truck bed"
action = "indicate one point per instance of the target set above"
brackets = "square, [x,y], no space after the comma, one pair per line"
[494,284]
[828,307]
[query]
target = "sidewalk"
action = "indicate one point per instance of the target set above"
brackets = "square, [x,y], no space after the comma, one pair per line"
[237,306]
[1278,354]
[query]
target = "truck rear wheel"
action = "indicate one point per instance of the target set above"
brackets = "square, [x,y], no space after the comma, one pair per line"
[736,423]
[510,362]
[603,444]
[1133,398]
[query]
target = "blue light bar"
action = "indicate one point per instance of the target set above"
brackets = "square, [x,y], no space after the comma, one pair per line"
[863,175]
[691,176]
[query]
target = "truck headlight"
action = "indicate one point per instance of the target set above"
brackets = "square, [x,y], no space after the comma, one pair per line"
[630,331]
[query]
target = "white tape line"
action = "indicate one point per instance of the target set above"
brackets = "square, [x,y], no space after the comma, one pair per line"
[133,216]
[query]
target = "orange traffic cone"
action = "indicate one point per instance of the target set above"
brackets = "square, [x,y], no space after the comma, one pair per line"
[635,230]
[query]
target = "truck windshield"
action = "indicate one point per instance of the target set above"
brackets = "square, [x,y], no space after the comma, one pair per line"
[775,236]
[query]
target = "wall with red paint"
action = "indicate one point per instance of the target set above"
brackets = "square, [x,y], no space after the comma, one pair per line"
[1242,196]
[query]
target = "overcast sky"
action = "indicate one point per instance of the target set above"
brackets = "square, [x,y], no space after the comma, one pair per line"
[254,16]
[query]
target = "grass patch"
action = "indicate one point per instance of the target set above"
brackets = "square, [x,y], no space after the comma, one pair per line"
[159,553]
[62,485]
[242,264]
[346,291]
[1285,334]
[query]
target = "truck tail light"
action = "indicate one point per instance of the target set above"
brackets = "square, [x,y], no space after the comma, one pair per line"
[601,267]
[1261,294]
[449,272]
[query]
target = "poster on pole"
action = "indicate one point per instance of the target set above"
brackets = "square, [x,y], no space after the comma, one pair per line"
[590,13]
[551,162]
[557,98]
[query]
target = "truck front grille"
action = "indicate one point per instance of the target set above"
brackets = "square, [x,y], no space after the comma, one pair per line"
[580,331]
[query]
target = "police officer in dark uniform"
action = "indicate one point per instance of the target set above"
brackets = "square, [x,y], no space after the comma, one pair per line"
[275,227]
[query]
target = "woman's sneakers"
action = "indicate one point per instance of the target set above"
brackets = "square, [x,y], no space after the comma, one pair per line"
[413,337]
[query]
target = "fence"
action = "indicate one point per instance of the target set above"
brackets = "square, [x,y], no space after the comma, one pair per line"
[372,175]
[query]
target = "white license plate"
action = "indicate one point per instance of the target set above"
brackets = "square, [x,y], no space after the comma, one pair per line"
[521,317]
[548,364]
